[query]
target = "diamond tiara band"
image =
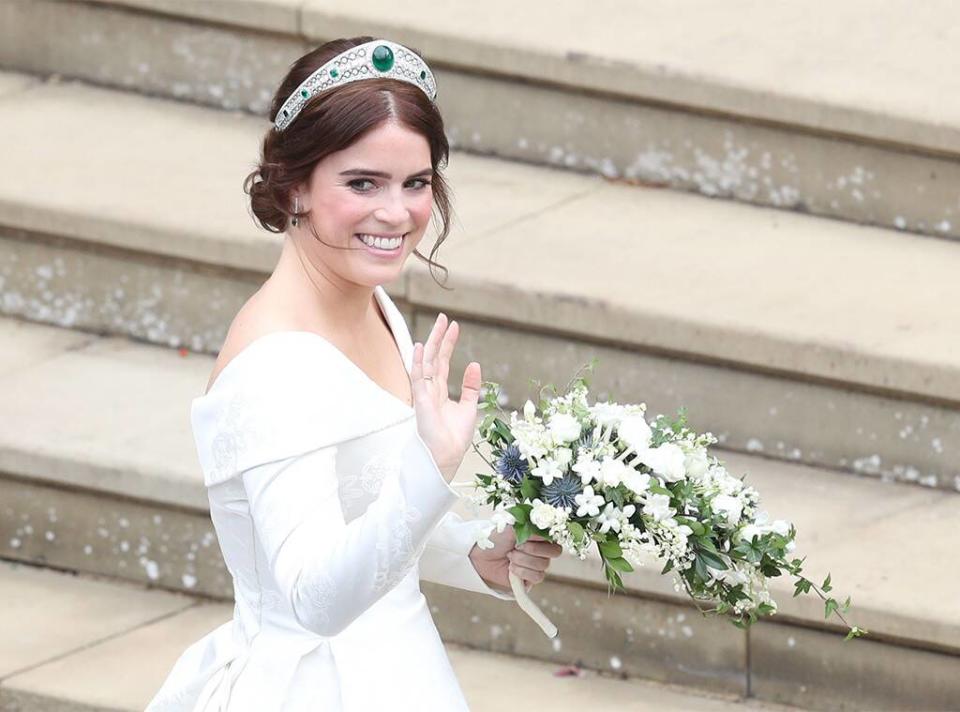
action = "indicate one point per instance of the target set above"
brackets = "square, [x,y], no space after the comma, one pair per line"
[379,59]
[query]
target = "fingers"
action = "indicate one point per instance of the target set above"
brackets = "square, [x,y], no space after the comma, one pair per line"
[470,388]
[539,546]
[446,350]
[432,344]
[532,575]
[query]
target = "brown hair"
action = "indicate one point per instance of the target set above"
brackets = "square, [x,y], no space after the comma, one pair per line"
[331,122]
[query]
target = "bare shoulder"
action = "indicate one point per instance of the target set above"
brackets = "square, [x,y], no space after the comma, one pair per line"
[255,319]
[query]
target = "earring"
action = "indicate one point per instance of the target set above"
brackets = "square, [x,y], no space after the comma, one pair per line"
[296,209]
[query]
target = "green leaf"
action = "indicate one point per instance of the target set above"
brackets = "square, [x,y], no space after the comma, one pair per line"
[829,607]
[826,584]
[610,549]
[668,567]
[576,530]
[712,560]
[657,489]
[523,532]
[520,512]
[619,564]
[528,488]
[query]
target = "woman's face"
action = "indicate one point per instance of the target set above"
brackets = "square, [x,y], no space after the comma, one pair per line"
[379,186]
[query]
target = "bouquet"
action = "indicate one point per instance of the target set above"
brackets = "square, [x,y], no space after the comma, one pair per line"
[580,474]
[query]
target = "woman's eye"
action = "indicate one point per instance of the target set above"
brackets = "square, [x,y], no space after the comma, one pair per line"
[358,183]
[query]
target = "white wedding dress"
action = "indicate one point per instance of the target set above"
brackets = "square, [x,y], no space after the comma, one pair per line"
[329,508]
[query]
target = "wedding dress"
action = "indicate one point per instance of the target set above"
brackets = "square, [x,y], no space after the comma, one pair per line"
[329,509]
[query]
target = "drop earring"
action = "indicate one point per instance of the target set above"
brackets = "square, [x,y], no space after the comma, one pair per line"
[295,221]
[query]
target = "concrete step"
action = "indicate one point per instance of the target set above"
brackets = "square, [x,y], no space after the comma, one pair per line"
[818,342]
[113,489]
[79,642]
[757,102]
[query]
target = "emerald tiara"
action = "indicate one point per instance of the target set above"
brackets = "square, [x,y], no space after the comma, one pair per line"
[379,59]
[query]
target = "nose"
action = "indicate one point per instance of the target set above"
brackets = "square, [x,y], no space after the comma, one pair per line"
[393,209]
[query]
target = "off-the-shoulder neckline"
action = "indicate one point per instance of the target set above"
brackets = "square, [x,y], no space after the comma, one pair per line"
[381,297]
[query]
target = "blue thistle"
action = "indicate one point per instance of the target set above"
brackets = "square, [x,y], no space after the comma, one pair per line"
[561,492]
[511,464]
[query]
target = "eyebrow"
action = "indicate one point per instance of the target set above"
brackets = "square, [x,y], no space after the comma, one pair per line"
[381,174]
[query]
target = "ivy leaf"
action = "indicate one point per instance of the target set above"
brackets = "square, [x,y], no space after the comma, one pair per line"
[528,488]
[520,512]
[668,567]
[826,584]
[523,532]
[713,560]
[830,607]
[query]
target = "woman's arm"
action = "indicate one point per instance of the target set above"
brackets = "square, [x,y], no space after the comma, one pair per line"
[329,570]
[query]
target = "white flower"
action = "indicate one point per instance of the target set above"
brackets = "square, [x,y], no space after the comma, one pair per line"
[658,507]
[696,463]
[587,468]
[529,411]
[634,431]
[637,481]
[543,514]
[547,470]
[502,519]
[563,456]
[666,461]
[607,413]
[751,531]
[564,428]
[611,471]
[613,518]
[589,502]
[781,527]
[483,536]
[730,507]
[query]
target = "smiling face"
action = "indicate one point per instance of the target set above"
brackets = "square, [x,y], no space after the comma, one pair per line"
[379,186]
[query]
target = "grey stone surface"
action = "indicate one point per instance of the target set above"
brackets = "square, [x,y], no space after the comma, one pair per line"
[820,671]
[96,533]
[122,673]
[168,52]
[624,635]
[46,615]
[825,143]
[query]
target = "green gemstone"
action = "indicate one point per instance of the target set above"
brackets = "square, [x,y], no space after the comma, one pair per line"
[304,93]
[423,73]
[382,58]
[334,73]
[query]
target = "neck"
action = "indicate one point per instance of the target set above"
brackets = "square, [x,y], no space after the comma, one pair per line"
[316,294]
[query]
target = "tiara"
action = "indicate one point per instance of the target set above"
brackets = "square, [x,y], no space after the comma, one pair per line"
[379,59]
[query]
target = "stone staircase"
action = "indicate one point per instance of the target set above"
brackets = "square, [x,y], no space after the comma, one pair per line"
[810,329]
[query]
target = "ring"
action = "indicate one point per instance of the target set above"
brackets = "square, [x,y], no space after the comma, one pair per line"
[428,378]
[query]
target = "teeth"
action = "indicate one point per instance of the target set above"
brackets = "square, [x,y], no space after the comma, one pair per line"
[381,243]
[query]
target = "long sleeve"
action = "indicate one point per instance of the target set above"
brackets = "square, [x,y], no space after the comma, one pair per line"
[446,557]
[331,570]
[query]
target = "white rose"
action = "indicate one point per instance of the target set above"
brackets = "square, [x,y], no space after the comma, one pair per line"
[666,461]
[781,527]
[564,428]
[696,463]
[635,432]
[636,481]
[731,507]
[607,413]
[542,514]
[658,506]
[611,471]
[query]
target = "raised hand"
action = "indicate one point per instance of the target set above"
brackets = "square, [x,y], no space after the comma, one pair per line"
[446,426]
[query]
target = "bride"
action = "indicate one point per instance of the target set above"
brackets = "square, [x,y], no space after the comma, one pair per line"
[326,438]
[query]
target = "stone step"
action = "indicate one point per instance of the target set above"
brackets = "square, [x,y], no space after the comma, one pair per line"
[78,642]
[753,101]
[824,343]
[113,488]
